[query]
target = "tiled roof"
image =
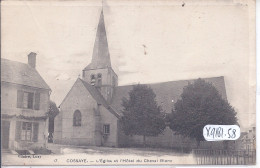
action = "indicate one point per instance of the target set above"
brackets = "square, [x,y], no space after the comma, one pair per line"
[167,93]
[98,97]
[21,73]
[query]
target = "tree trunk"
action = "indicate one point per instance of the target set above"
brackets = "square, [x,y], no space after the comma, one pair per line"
[198,143]
[144,141]
[225,145]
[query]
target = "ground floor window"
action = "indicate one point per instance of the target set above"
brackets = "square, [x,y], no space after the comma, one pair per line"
[106,129]
[26,134]
[27,131]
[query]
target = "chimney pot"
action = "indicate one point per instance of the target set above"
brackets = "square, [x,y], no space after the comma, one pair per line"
[32,59]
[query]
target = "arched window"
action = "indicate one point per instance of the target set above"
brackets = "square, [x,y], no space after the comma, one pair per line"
[99,79]
[77,118]
[92,79]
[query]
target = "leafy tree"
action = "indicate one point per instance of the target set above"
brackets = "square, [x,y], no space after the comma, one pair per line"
[142,115]
[52,113]
[200,105]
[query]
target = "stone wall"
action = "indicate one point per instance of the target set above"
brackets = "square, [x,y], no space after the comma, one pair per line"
[89,133]
[9,100]
[11,113]
[164,140]
[80,99]
[109,119]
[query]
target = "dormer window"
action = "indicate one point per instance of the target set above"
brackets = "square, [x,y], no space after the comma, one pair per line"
[93,79]
[99,79]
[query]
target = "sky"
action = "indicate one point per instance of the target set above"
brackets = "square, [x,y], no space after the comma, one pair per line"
[182,39]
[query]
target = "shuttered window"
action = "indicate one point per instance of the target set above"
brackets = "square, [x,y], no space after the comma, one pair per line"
[26,133]
[28,100]
[37,101]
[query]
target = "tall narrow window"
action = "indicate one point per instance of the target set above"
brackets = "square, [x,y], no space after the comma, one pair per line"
[106,129]
[25,99]
[92,79]
[99,79]
[77,118]
[28,100]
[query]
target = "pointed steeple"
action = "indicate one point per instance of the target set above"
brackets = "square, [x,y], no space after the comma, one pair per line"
[100,56]
[99,72]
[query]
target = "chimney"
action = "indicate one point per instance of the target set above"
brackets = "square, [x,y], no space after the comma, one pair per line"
[32,59]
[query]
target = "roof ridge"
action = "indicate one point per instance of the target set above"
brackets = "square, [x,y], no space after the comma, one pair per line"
[14,61]
[171,81]
[102,101]
[15,72]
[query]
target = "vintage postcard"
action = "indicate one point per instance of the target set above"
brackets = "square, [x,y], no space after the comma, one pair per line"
[120,82]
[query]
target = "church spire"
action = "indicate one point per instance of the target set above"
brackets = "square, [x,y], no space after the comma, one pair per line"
[100,56]
[99,72]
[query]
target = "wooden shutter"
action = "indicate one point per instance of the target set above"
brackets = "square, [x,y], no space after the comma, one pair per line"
[30,100]
[37,101]
[18,130]
[19,99]
[35,132]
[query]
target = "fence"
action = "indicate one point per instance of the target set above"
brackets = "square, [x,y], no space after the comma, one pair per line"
[225,157]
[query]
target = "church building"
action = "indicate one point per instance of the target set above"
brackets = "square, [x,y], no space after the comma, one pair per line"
[90,112]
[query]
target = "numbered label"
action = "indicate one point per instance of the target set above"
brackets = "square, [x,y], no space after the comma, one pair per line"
[221,132]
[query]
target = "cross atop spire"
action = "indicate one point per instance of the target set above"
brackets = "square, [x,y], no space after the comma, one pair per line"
[100,56]
[102,5]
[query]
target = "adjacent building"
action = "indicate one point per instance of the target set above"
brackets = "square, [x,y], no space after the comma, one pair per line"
[24,105]
[247,140]
[90,112]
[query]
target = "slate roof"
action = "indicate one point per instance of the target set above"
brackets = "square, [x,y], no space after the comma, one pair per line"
[167,93]
[22,74]
[100,55]
[98,97]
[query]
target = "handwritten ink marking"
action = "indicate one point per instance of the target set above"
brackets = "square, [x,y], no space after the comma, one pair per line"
[221,132]
[208,128]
